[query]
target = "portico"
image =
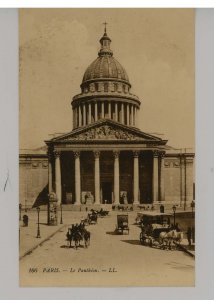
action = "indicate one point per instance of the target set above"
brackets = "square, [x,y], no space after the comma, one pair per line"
[112,165]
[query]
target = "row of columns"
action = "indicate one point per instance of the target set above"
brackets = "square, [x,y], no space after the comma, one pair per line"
[158,177]
[82,114]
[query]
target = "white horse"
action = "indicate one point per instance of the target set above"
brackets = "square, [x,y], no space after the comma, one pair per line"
[166,238]
[179,237]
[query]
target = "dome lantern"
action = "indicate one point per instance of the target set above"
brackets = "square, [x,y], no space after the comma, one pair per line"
[105,42]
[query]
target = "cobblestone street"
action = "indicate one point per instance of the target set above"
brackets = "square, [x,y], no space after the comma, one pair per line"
[117,260]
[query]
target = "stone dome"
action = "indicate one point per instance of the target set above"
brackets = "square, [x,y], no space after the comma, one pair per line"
[105,67]
[105,92]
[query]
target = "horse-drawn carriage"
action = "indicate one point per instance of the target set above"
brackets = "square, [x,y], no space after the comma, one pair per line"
[122,223]
[152,217]
[102,213]
[157,231]
[77,233]
[92,217]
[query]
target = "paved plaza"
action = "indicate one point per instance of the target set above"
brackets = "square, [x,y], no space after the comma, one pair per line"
[110,260]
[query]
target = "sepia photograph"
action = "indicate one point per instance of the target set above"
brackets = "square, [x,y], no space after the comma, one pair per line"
[106,147]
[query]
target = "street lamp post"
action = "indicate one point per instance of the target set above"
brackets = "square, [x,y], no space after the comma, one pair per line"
[61,222]
[20,212]
[192,206]
[192,229]
[38,228]
[174,210]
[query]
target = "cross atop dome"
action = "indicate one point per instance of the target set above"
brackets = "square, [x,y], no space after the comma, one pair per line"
[105,26]
[105,42]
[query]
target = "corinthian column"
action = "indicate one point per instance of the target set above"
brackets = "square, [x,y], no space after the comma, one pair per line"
[136,117]
[136,177]
[109,110]
[116,112]
[116,178]
[84,114]
[50,180]
[162,194]
[97,176]
[122,113]
[77,178]
[89,113]
[155,176]
[95,112]
[74,115]
[80,118]
[131,115]
[127,112]
[58,177]
[102,111]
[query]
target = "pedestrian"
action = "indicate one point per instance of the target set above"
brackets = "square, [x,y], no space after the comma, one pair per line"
[25,220]
[189,236]
[177,227]
[193,235]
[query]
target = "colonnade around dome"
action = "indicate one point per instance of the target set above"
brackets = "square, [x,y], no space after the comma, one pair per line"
[92,111]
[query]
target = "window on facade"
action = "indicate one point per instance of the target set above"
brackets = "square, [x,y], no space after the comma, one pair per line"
[105,87]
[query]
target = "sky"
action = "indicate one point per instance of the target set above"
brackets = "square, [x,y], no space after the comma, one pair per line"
[155,46]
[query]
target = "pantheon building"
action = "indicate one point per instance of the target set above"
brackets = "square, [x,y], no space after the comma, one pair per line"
[106,158]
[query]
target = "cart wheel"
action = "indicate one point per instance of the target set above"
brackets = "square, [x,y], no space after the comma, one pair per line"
[141,239]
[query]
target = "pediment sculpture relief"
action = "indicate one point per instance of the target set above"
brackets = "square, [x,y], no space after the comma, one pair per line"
[106,132]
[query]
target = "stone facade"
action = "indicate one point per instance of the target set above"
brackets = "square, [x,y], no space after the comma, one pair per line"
[33,178]
[106,159]
[178,187]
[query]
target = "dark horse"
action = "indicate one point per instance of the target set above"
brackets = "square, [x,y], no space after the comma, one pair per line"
[85,234]
[78,233]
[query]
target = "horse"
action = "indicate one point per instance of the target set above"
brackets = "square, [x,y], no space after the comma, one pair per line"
[86,236]
[74,235]
[77,234]
[179,237]
[92,218]
[166,238]
[102,213]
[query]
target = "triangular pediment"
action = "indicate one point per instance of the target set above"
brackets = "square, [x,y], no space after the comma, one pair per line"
[106,130]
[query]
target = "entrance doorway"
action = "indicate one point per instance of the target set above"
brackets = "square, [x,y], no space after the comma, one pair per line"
[107,192]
